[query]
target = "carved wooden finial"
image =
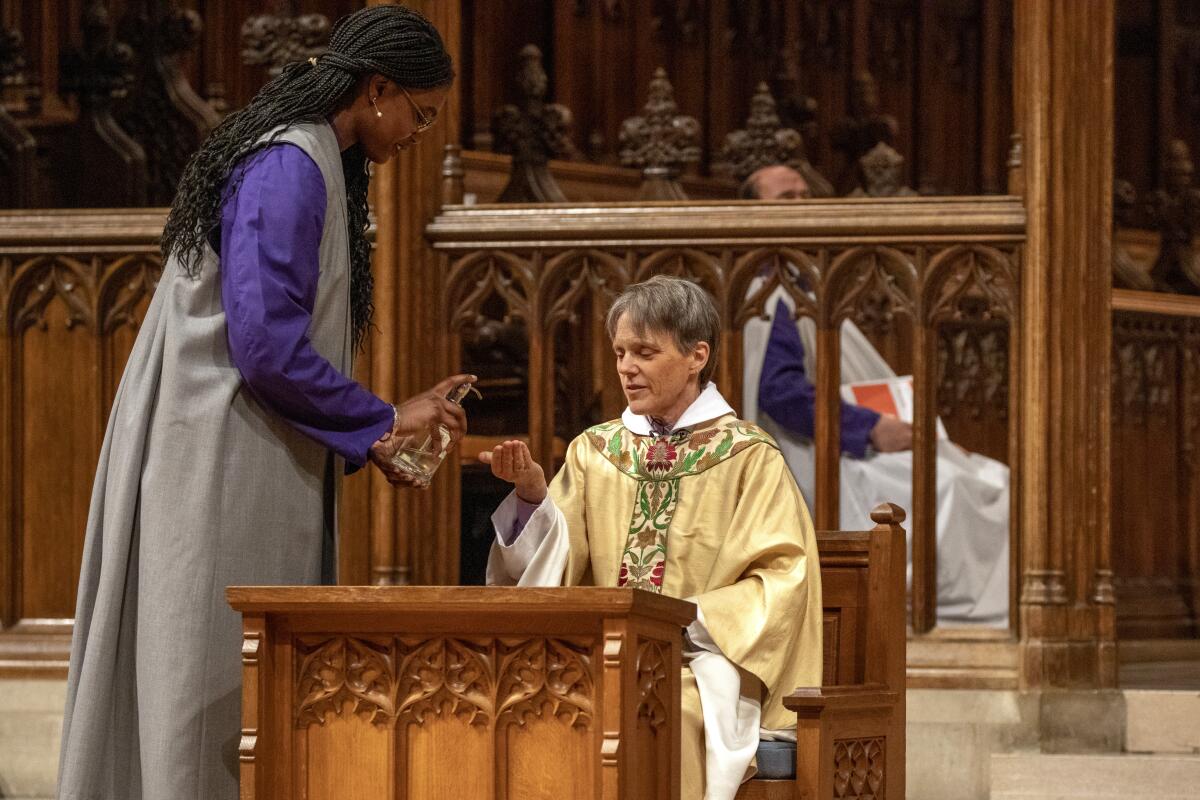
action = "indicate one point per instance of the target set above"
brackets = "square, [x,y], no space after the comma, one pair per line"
[283,36]
[101,71]
[14,94]
[164,114]
[888,514]
[18,148]
[453,188]
[764,141]
[12,55]
[1175,209]
[108,164]
[1016,170]
[660,141]
[796,109]
[533,132]
[881,174]
[1127,274]
[863,128]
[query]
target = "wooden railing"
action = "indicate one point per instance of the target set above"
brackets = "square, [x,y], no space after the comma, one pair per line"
[886,264]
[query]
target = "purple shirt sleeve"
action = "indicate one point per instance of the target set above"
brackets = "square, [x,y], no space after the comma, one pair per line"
[270,237]
[789,397]
[524,512]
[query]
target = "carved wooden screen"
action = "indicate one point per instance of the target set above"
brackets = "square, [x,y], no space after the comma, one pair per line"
[942,265]
[1155,485]
[74,286]
[72,290]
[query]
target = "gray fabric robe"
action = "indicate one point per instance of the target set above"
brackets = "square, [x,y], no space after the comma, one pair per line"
[198,488]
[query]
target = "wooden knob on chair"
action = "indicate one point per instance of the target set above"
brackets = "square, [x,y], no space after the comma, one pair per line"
[888,514]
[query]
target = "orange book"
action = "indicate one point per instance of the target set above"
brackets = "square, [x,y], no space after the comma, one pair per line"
[892,396]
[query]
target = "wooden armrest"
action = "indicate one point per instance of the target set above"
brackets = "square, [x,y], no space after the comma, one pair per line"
[841,697]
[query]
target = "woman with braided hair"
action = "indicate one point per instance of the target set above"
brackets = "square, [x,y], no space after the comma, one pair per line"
[236,416]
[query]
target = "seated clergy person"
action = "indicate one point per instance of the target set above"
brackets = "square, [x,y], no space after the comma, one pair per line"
[876,462]
[680,496]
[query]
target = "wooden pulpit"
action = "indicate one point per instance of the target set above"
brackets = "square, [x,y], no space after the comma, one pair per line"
[457,693]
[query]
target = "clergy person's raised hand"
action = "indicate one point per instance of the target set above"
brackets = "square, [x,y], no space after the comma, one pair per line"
[512,462]
[891,435]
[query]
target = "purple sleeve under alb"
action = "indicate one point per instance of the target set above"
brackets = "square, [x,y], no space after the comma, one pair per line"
[270,239]
[789,397]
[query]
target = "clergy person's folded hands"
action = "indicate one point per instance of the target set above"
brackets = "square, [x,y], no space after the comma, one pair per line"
[511,461]
[421,416]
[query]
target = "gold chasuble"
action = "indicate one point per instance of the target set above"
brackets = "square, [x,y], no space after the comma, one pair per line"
[710,514]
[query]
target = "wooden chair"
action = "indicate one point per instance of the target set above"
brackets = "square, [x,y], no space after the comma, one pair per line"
[850,732]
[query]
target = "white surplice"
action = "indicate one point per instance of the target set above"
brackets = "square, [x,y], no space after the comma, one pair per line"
[972,490]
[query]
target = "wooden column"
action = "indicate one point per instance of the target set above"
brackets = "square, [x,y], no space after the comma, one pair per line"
[1063,56]
[407,194]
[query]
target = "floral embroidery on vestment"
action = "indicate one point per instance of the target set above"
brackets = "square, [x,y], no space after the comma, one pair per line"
[658,464]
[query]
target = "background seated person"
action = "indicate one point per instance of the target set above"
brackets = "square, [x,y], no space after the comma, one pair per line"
[876,457]
[681,497]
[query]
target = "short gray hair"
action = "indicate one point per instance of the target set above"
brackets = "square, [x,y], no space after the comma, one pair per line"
[674,306]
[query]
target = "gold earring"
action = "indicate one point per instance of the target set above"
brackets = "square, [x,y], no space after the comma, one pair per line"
[378,113]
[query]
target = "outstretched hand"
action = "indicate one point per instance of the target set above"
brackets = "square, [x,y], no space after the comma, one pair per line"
[511,461]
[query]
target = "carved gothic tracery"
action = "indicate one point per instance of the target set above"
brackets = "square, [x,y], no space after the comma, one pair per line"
[394,680]
[652,685]
[101,292]
[1145,364]
[972,374]
[875,286]
[858,770]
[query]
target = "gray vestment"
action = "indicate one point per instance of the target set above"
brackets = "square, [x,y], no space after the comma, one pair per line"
[198,488]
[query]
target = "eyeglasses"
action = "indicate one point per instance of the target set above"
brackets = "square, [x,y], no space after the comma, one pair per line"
[424,123]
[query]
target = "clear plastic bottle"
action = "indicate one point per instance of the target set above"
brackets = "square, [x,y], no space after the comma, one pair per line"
[421,458]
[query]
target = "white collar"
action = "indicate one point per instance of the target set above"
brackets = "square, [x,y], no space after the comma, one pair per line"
[708,406]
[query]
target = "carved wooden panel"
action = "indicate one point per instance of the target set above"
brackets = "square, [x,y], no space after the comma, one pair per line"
[63,333]
[488,682]
[358,698]
[859,768]
[651,739]
[447,693]
[1154,386]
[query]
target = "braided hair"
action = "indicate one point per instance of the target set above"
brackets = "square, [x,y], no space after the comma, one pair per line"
[394,41]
